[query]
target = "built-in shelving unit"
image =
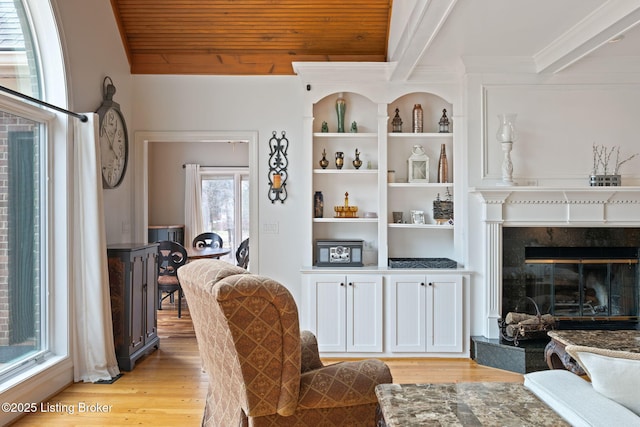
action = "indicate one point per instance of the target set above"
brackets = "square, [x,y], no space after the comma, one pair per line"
[375,308]
[368,187]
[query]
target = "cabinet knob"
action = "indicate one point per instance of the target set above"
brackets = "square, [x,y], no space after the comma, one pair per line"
[341,284]
[350,283]
[430,284]
[421,283]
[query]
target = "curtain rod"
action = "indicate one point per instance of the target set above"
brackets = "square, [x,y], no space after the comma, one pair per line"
[82,117]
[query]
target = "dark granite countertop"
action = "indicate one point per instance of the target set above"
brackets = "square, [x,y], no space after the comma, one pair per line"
[464,404]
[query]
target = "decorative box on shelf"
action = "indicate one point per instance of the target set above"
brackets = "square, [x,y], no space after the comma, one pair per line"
[422,263]
[605,181]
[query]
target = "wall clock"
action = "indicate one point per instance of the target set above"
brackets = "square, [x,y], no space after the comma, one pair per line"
[114,139]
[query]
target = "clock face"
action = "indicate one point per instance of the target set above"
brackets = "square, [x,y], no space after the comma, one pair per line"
[113,148]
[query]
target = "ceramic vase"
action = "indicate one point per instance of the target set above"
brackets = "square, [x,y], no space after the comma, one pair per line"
[417,118]
[443,166]
[339,159]
[324,162]
[357,162]
[318,205]
[341,108]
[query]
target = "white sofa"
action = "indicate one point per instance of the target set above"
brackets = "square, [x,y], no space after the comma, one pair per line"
[609,399]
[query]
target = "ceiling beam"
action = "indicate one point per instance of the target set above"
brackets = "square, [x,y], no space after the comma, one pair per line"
[611,19]
[420,30]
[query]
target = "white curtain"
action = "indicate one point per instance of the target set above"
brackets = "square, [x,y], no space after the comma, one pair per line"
[192,203]
[94,356]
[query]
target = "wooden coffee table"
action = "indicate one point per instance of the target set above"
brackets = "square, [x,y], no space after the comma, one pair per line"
[463,404]
[557,358]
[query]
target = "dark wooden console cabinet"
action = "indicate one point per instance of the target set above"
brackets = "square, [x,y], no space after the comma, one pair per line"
[133,285]
[175,233]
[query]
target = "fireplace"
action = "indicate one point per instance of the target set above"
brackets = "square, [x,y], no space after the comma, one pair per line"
[548,212]
[587,278]
[516,218]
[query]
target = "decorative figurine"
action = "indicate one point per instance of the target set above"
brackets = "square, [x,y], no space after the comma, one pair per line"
[346,211]
[396,123]
[444,122]
[357,162]
[443,209]
[325,127]
[354,127]
[324,162]
[339,159]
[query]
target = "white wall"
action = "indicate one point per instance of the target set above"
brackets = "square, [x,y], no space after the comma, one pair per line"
[93,50]
[262,104]
[559,119]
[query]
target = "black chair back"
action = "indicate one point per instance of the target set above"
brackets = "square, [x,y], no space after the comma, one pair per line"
[207,240]
[171,256]
[242,254]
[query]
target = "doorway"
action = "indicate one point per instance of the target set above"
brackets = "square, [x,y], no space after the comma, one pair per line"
[151,150]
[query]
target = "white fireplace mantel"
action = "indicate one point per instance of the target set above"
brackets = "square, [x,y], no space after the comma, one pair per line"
[543,207]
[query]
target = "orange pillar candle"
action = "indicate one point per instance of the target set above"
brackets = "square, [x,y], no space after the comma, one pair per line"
[277,181]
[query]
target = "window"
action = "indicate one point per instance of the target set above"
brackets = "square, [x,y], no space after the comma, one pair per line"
[33,296]
[22,231]
[225,205]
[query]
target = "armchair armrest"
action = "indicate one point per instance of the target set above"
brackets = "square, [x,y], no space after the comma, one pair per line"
[343,384]
[309,349]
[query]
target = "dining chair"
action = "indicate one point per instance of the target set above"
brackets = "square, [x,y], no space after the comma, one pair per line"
[242,254]
[207,239]
[171,256]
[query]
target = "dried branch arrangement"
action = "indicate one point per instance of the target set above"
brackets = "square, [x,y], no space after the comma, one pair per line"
[602,158]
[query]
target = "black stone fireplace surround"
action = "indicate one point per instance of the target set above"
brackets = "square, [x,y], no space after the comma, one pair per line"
[521,279]
[587,278]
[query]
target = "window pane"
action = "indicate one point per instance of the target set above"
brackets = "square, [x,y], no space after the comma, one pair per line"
[17,61]
[218,208]
[21,303]
[225,206]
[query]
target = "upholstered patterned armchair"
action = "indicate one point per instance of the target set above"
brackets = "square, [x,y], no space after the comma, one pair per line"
[262,370]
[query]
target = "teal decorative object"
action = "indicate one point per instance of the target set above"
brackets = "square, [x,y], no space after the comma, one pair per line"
[341,109]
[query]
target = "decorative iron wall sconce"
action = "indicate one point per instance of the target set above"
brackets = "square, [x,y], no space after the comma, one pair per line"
[278,164]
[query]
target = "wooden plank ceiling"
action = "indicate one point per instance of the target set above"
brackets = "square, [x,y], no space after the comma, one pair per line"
[249,37]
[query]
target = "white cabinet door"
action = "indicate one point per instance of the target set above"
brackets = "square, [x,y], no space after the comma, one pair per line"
[426,313]
[346,312]
[408,313]
[364,313]
[328,313]
[444,313]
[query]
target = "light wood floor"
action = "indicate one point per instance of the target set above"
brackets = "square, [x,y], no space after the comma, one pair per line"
[168,386]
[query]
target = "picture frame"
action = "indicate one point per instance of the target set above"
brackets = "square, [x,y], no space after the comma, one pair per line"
[417,217]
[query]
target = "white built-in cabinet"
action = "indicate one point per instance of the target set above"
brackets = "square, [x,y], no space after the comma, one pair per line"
[383,310]
[426,313]
[346,312]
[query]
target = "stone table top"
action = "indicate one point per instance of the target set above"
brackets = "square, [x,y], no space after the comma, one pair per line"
[626,340]
[463,404]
